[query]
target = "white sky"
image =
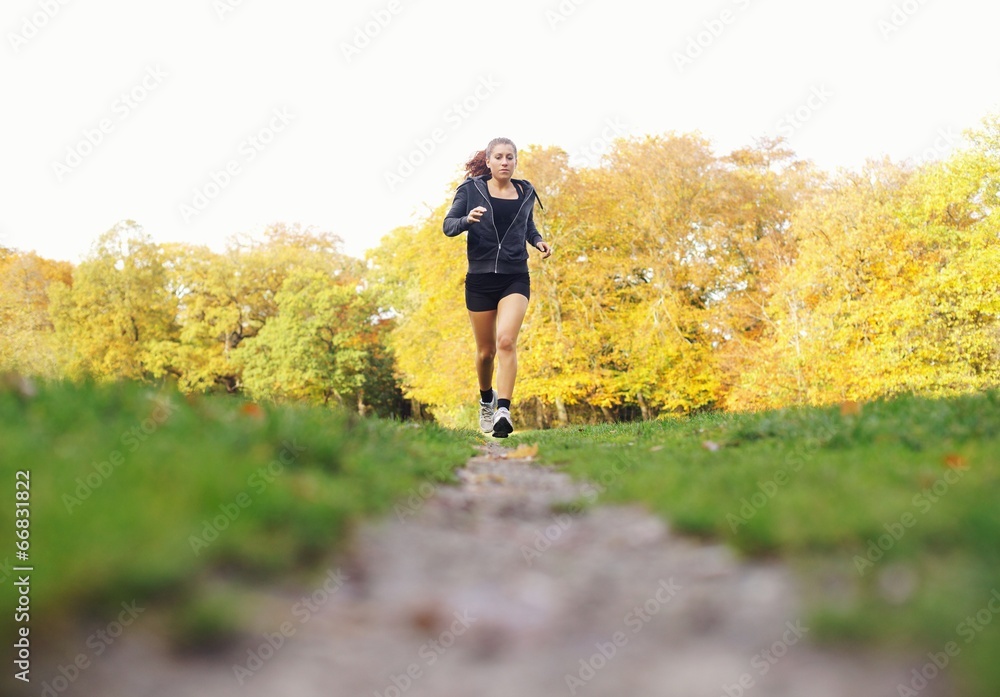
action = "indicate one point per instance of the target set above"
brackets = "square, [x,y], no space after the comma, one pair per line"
[546,72]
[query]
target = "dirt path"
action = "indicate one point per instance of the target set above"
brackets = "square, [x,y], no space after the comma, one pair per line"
[485,591]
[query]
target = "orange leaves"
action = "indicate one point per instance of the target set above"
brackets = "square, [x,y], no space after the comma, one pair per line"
[888,290]
[522,452]
[850,408]
[253,411]
[955,461]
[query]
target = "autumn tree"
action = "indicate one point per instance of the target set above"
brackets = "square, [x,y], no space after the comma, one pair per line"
[418,275]
[325,344]
[27,336]
[653,249]
[892,288]
[118,319]
[682,280]
[228,297]
[552,349]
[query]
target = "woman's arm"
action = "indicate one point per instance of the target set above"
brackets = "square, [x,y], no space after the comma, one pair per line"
[456,221]
[535,238]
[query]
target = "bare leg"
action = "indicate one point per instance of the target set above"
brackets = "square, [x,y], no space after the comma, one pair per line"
[484,329]
[510,315]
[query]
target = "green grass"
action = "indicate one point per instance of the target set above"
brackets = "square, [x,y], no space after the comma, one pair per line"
[813,487]
[821,490]
[140,495]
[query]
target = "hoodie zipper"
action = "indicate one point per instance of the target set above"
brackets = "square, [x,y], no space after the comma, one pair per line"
[486,195]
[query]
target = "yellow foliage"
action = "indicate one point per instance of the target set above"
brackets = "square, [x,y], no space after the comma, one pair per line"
[682,280]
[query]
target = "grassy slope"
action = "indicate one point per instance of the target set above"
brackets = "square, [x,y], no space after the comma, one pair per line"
[203,488]
[823,489]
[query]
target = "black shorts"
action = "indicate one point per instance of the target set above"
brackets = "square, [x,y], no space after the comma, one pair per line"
[483,291]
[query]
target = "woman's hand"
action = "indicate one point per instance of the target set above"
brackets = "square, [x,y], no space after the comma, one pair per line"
[474,215]
[545,249]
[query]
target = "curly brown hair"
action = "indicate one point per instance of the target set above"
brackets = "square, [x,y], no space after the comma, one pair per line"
[476,166]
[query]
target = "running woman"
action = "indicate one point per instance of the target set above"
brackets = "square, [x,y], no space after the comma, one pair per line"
[496,210]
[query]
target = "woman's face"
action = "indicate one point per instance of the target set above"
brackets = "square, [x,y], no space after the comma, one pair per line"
[502,161]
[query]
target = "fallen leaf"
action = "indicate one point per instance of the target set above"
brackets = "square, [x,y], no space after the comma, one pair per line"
[656,448]
[850,408]
[955,462]
[523,452]
[252,410]
[427,619]
[710,445]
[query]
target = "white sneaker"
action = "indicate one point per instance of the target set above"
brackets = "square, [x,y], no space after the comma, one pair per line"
[486,413]
[502,425]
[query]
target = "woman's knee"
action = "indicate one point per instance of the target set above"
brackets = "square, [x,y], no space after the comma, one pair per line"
[486,353]
[506,342]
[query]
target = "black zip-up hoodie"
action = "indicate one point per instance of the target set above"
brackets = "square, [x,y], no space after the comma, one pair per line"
[491,250]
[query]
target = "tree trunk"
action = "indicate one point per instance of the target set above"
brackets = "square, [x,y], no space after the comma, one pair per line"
[539,414]
[561,412]
[642,406]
